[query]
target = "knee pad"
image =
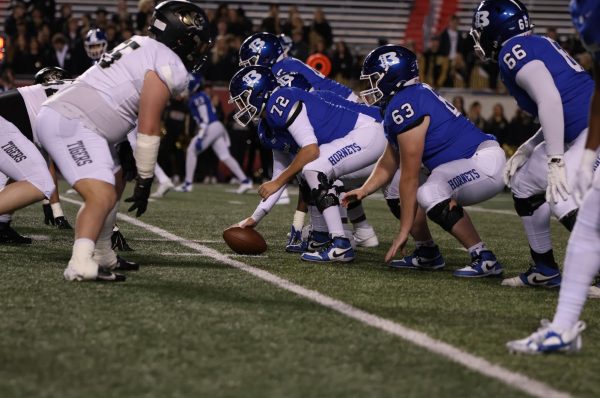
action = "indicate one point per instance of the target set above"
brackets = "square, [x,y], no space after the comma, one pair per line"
[394,205]
[322,196]
[569,220]
[527,206]
[444,216]
[305,193]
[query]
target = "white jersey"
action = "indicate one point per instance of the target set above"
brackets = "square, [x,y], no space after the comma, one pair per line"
[107,95]
[34,96]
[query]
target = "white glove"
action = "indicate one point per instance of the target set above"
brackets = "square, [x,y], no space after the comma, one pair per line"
[515,162]
[585,175]
[558,187]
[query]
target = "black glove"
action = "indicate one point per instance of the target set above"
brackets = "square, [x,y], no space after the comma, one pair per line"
[141,193]
[48,216]
[127,160]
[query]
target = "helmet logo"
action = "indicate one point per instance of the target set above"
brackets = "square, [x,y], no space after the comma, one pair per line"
[388,59]
[481,19]
[257,45]
[192,19]
[251,78]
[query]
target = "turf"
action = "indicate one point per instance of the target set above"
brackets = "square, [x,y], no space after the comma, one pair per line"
[186,325]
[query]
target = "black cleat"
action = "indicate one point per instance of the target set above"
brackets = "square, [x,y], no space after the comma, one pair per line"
[105,275]
[10,236]
[119,242]
[62,223]
[124,265]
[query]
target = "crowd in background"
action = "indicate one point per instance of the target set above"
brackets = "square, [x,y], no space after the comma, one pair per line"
[37,37]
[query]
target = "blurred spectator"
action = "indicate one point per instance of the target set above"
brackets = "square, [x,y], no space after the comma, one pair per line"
[18,15]
[475,115]
[239,24]
[7,80]
[60,55]
[222,61]
[320,28]
[343,67]
[459,103]
[122,15]
[272,23]
[454,45]
[101,18]
[112,37]
[60,24]
[436,64]
[142,19]
[46,7]
[37,19]
[521,128]
[552,33]
[497,124]
[299,47]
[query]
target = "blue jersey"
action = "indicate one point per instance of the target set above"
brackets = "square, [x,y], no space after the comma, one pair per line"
[329,121]
[202,108]
[450,135]
[280,140]
[330,96]
[572,82]
[314,77]
[586,18]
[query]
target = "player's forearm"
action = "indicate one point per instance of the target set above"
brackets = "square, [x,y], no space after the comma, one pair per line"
[306,155]
[382,174]
[408,201]
[265,206]
[146,153]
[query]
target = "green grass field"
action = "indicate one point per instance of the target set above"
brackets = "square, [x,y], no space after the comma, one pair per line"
[186,325]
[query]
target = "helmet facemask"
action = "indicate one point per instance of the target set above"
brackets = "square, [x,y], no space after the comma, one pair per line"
[479,51]
[95,50]
[253,60]
[374,94]
[246,111]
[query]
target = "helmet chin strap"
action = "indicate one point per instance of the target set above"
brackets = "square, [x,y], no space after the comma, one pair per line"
[412,81]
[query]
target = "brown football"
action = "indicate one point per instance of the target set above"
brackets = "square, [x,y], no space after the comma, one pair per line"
[244,240]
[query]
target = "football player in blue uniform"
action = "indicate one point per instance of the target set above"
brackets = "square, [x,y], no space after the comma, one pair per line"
[464,164]
[211,133]
[265,49]
[329,141]
[582,261]
[547,83]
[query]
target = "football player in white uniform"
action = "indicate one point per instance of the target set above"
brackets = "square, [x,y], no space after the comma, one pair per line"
[582,262]
[79,126]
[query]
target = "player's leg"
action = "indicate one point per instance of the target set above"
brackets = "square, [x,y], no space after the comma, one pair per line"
[164,182]
[56,211]
[7,233]
[191,160]
[220,146]
[364,235]
[528,187]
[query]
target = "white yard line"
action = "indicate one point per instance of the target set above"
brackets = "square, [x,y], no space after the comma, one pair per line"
[472,362]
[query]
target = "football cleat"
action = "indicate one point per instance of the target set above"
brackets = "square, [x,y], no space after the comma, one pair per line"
[245,186]
[316,241]
[83,270]
[482,265]
[338,250]
[366,237]
[185,187]
[594,290]
[163,189]
[105,275]
[425,258]
[62,223]
[124,265]
[536,275]
[118,241]
[10,236]
[546,340]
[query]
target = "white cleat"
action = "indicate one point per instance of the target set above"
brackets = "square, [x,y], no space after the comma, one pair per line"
[185,187]
[245,186]
[366,237]
[163,189]
[594,291]
[284,199]
[70,191]
[86,270]
[546,340]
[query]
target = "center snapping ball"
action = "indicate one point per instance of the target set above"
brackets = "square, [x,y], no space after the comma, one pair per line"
[244,240]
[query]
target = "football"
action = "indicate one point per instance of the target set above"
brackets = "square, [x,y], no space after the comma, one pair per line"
[244,240]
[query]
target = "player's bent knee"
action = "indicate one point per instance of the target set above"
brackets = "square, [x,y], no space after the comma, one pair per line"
[324,195]
[445,216]
[525,207]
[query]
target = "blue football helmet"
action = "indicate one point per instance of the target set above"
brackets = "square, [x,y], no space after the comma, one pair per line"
[286,43]
[586,15]
[250,88]
[195,83]
[95,44]
[262,49]
[294,79]
[496,21]
[388,69]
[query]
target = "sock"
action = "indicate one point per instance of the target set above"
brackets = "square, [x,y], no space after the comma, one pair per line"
[546,258]
[333,221]
[582,263]
[344,215]
[476,249]
[5,218]
[537,229]
[235,168]
[317,220]
[57,210]
[356,214]
[104,255]
[298,222]
[160,175]
[45,202]
[83,248]
[191,159]
[425,243]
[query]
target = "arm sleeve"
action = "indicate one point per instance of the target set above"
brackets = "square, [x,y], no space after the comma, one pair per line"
[301,130]
[175,76]
[537,81]
[280,162]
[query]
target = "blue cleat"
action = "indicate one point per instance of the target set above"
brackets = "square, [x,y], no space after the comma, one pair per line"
[482,265]
[547,340]
[536,275]
[316,241]
[338,250]
[425,258]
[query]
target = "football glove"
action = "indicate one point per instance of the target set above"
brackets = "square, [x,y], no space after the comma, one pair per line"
[515,162]
[141,193]
[558,187]
[48,216]
[585,175]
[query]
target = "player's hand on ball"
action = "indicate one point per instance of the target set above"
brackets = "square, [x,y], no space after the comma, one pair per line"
[558,187]
[268,188]
[398,244]
[141,193]
[515,162]
[247,223]
[353,196]
[585,175]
